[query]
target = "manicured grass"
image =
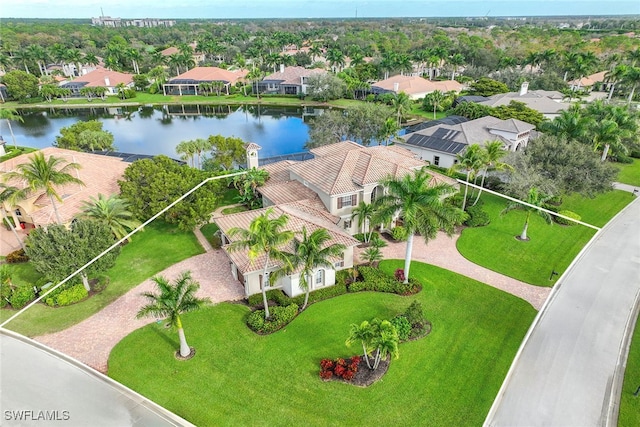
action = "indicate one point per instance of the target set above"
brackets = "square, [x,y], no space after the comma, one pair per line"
[235,209]
[208,230]
[12,152]
[630,404]
[551,248]
[630,173]
[428,115]
[151,251]
[449,378]
[23,274]
[229,197]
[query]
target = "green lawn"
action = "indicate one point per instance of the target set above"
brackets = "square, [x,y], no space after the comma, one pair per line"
[151,251]
[551,248]
[630,404]
[11,152]
[630,173]
[449,378]
[208,231]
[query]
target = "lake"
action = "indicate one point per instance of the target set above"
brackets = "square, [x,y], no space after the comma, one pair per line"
[158,129]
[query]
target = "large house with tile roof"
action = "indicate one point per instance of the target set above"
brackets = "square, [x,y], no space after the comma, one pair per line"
[321,192]
[288,80]
[547,102]
[188,83]
[100,175]
[414,86]
[440,144]
[100,77]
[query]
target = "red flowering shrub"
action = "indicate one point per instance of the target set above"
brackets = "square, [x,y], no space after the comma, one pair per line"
[341,368]
[400,275]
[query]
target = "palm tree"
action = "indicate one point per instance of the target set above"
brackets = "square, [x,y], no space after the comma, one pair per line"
[363,333]
[9,194]
[309,253]
[385,341]
[615,76]
[456,60]
[364,212]
[535,198]
[372,255]
[113,211]
[493,152]
[45,174]
[423,209]
[402,104]
[435,98]
[8,114]
[264,238]
[471,161]
[570,124]
[605,134]
[173,300]
[631,78]
[187,151]
[335,57]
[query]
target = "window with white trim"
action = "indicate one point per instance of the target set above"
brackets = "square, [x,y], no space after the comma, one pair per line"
[345,201]
[319,277]
[346,224]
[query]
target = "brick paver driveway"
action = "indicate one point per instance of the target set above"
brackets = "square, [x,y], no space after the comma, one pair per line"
[91,340]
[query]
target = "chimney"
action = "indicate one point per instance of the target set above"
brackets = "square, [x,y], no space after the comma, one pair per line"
[282,68]
[523,88]
[396,87]
[252,155]
[107,82]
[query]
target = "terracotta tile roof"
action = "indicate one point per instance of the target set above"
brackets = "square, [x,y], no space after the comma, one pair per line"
[416,85]
[104,77]
[210,74]
[349,170]
[99,173]
[589,80]
[299,216]
[252,146]
[286,192]
[170,51]
[293,75]
[278,171]
[331,149]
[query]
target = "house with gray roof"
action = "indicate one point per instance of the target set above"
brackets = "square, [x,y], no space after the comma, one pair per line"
[547,102]
[288,80]
[441,144]
[320,192]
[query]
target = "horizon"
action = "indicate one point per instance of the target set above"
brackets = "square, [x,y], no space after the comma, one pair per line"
[326,9]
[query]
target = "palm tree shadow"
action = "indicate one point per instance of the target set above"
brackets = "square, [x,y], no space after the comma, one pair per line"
[161,331]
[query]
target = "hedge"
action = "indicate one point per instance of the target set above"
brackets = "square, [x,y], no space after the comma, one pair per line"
[279,317]
[569,214]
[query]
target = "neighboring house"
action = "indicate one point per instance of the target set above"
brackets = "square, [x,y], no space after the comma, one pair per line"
[414,86]
[3,93]
[99,77]
[187,83]
[100,175]
[197,57]
[288,81]
[322,192]
[440,144]
[597,82]
[547,102]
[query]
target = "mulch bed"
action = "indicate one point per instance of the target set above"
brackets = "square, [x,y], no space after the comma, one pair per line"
[364,377]
[189,356]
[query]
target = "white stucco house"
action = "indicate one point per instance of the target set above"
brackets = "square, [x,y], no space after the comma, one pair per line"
[440,144]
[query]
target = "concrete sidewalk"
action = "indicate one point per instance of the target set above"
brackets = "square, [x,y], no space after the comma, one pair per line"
[570,366]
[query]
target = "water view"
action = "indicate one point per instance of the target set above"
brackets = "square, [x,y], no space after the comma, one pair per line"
[158,129]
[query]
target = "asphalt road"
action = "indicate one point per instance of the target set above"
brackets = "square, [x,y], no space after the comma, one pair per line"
[564,373]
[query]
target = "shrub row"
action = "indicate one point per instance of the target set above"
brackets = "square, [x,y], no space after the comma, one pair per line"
[568,214]
[377,280]
[279,297]
[21,296]
[280,317]
[67,296]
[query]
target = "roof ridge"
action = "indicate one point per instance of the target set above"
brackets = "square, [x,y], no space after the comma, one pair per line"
[341,172]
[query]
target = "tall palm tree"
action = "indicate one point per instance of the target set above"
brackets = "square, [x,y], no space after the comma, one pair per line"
[605,134]
[471,161]
[172,301]
[363,333]
[310,252]
[265,237]
[8,114]
[364,211]
[435,98]
[535,198]
[113,211]
[423,209]
[9,194]
[493,152]
[631,78]
[570,124]
[45,174]
[402,104]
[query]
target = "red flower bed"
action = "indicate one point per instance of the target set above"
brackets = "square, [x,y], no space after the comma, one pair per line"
[341,368]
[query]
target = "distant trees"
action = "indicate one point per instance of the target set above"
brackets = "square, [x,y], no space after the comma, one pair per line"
[363,123]
[21,85]
[325,86]
[485,86]
[85,136]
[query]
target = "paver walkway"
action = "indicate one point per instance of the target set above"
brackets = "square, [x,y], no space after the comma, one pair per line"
[442,252]
[91,340]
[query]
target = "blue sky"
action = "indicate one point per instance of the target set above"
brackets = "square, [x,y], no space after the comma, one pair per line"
[212,9]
